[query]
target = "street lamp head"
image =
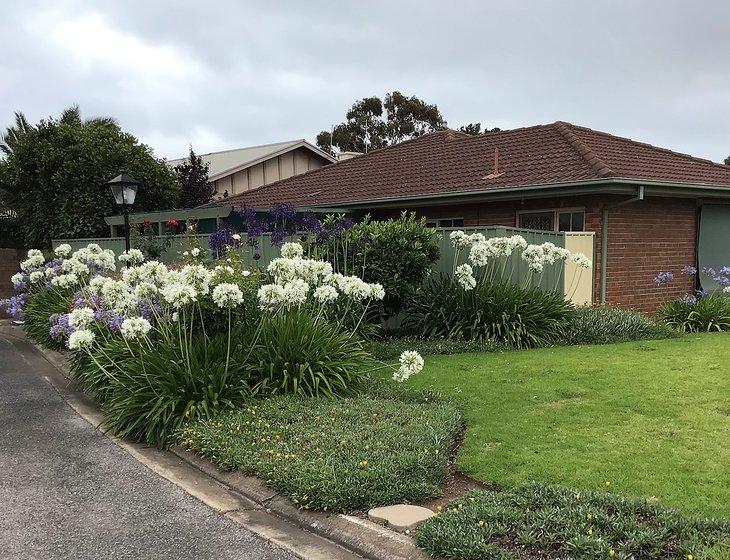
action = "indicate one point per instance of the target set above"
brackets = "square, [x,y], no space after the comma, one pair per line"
[124,188]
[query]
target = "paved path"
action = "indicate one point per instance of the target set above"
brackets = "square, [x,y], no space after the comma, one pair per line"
[68,492]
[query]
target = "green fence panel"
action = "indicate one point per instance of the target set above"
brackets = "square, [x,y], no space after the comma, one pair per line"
[515,268]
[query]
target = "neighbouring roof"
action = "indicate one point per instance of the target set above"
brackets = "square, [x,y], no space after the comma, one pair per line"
[231,161]
[453,162]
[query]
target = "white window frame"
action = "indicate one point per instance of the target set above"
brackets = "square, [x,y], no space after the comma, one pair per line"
[556,215]
[437,220]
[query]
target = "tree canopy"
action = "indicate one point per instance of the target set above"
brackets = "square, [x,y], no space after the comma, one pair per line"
[372,123]
[193,176]
[54,175]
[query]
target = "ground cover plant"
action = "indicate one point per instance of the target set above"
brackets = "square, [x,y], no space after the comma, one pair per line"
[336,454]
[543,521]
[649,416]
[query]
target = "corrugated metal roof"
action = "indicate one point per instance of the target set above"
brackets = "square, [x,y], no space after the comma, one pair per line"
[229,161]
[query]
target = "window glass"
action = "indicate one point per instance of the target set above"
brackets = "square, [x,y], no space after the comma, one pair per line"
[564,221]
[457,222]
[538,220]
[571,221]
[578,219]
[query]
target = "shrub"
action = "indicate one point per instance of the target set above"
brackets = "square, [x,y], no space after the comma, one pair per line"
[164,385]
[39,309]
[295,353]
[506,313]
[702,314]
[543,521]
[607,325]
[334,454]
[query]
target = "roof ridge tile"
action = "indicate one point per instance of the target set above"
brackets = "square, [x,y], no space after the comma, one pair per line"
[598,166]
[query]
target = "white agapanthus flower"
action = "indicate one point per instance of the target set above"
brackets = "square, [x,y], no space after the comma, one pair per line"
[476,238]
[227,295]
[81,339]
[133,257]
[283,270]
[244,273]
[518,242]
[74,266]
[18,280]
[326,294]
[271,295]
[236,237]
[464,275]
[145,290]
[63,250]
[221,269]
[726,289]
[81,318]
[376,291]
[178,294]
[97,283]
[135,328]
[132,275]
[459,239]
[198,277]
[411,363]
[34,260]
[355,288]
[195,251]
[581,260]
[153,271]
[295,292]
[37,276]
[480,253]
[292,250]
[65,280]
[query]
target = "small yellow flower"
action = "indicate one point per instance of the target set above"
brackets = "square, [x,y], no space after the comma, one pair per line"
[481,522]
[589,516]
[690,557]
[590,531]
[607,483]
[612,553]
[577,496]
[439,508]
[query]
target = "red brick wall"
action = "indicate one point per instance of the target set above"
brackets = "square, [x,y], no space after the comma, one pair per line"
[645,238]
[9,265]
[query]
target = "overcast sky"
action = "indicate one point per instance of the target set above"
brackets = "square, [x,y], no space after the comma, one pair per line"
[230,74]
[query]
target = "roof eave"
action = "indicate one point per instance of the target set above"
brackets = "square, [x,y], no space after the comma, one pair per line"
[613,185]
[198,213]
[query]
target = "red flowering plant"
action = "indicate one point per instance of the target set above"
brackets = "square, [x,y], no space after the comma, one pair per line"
[145,238]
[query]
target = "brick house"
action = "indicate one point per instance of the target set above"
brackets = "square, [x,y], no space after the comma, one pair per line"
[651,209]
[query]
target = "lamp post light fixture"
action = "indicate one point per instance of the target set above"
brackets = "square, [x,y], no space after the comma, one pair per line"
[124,188]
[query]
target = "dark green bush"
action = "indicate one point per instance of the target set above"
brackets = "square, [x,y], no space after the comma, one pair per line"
[153,394]
[505,313]
[335,454]
[38,310]
[294,353]
[705,314]
[543,521]
[607,325]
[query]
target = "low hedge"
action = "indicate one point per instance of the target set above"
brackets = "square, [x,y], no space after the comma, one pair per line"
[608,325]
[546,521]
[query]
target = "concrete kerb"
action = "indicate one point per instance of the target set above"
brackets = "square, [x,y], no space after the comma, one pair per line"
[245,499]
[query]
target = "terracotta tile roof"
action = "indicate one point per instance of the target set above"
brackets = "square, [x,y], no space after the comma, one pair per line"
[449,161]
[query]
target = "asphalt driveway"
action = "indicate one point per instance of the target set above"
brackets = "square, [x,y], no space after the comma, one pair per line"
[68,492]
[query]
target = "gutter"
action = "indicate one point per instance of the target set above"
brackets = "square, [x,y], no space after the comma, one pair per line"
[626,184]
[604,237]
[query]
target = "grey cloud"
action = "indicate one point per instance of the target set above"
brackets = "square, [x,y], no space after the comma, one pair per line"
[258,72]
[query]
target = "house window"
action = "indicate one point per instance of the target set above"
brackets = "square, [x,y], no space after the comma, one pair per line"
[571,221]
[552,220]
[445,222]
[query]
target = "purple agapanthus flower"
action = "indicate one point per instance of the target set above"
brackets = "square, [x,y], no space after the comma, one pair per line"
[221,239]
[689,270]
[689,299]
[114,322]
[663,278]
[13,306]
[60,329]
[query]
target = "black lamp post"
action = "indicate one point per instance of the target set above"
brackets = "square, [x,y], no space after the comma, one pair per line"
[124,188]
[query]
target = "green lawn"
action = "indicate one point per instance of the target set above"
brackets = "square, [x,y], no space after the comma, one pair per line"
[651,417]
